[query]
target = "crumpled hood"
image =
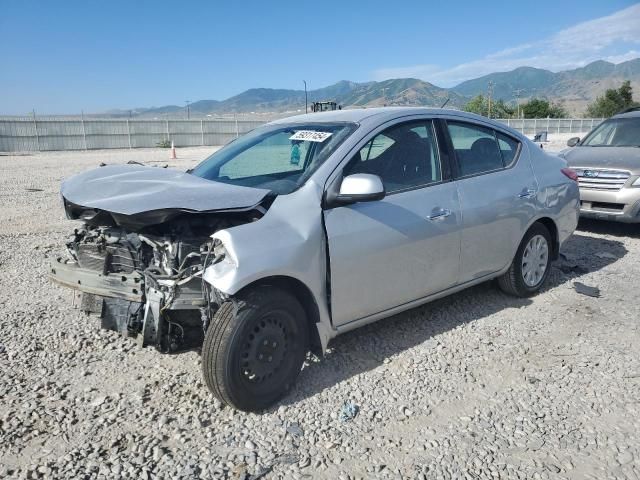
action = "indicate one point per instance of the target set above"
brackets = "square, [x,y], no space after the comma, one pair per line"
[135,189]
[618,158]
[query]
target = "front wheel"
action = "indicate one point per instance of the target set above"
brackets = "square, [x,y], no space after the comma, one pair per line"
[254,348]
[531,265]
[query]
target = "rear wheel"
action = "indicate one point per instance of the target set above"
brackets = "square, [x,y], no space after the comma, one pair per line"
[254,348]
[531,264]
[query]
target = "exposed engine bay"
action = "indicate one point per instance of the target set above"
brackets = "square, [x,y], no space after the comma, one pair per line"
[145,281]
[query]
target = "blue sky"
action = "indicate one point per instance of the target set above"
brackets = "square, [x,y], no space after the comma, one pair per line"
[63,57]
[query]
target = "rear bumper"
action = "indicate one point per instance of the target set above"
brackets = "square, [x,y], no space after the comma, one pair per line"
[129,286]
[619,206]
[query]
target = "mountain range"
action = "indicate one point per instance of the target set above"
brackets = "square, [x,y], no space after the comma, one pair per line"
[574,89]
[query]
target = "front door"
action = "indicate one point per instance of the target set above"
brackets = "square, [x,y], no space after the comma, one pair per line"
[386,253]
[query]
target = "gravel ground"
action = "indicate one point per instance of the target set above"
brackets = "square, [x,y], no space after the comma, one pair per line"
[477,385]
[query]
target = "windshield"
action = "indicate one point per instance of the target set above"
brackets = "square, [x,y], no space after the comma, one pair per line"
[616,132]
[279,158]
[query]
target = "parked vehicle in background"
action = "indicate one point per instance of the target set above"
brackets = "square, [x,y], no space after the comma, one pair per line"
[326,106]
[607,162]
[257,259]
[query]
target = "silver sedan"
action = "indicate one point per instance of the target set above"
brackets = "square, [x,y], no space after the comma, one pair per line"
[308,227]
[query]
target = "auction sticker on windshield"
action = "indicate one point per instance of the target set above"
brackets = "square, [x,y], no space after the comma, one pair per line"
[310,136]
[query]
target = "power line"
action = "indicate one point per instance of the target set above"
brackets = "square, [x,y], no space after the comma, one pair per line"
[518,92]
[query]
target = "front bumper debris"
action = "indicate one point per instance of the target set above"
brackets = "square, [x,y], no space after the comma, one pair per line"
[126,286]
[159,312]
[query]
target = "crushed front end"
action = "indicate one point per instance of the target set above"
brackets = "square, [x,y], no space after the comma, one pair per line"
[145,285]
[140,285]
[139,268]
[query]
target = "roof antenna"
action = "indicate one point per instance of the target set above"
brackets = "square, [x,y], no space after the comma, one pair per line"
[446,101]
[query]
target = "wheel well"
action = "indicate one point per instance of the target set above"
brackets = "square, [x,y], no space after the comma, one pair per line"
[306,299]
[553,231]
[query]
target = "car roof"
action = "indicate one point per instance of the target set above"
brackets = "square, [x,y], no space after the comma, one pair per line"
[633,114]
[380,114]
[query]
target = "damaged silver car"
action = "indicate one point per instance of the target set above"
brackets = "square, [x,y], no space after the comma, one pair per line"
[308,227]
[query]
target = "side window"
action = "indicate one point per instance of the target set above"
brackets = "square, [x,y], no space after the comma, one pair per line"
[476,148]
[375,147]
[508,147]
[403,156]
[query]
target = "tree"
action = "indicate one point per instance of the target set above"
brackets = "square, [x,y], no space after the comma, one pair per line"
[480,106]
[500,109]
[477,105]
[539,108]
[612,101]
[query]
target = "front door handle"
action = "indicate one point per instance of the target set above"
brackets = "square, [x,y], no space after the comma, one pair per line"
[527,193]
[439,213]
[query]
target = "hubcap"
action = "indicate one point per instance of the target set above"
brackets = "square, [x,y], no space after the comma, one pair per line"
[264,349]
[535,260]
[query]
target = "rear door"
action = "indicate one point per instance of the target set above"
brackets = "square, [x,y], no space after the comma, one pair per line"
[497,190]
[404,247]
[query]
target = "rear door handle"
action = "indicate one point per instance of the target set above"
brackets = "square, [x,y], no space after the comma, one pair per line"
[439,213]
[527,193]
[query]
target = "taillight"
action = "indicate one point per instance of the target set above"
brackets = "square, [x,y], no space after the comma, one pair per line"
[570,173]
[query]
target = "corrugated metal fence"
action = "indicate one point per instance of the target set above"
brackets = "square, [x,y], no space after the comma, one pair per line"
[531,126]
[54,133]
[43,134]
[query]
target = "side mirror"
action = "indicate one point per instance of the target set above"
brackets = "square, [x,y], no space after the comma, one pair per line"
[359,187]
[573,141]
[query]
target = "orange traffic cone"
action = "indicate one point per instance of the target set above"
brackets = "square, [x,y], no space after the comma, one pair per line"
[173,151]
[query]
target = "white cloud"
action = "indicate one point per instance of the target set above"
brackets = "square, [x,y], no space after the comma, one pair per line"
[602,38]
[623,57]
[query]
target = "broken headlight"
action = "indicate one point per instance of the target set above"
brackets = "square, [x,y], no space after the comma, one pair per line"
[220,253]
[217,257]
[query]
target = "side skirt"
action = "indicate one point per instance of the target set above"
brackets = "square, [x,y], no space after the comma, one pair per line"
[415,303]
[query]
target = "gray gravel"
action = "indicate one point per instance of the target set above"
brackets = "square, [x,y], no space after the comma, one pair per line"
[477,385]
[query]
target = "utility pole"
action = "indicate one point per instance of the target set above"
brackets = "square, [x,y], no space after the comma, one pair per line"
[518,92]
[489,93]
[84,131]
[305,97]
[188,102]
[35,128]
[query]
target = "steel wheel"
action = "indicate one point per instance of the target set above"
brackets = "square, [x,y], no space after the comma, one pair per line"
[265,347]
[535,260]
[254,348]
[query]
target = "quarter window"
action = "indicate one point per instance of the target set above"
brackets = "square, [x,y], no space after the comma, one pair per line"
[508,148]
[476,148]
[403,156]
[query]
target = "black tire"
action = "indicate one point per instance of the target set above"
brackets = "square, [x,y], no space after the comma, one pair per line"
[513,280]
[254,348]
